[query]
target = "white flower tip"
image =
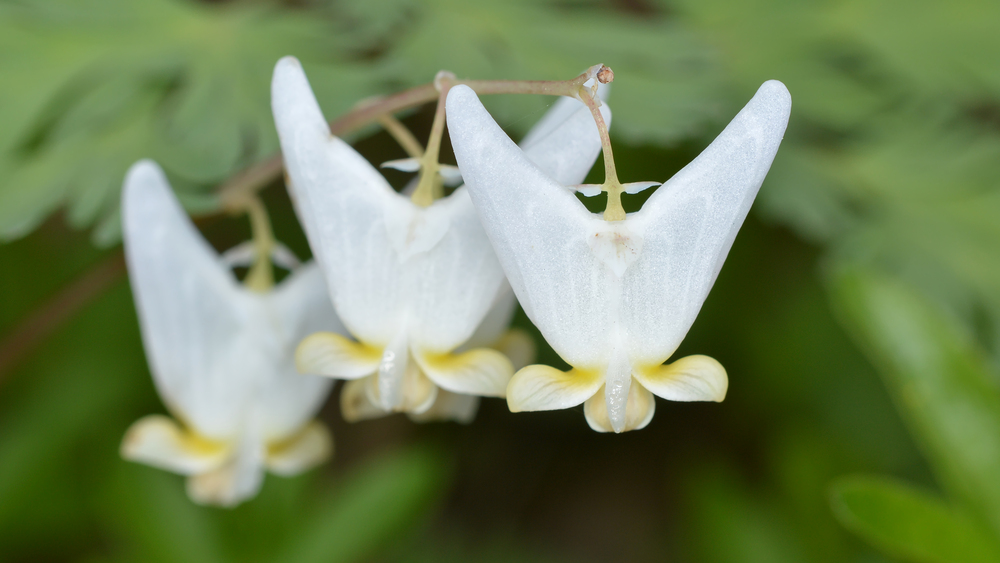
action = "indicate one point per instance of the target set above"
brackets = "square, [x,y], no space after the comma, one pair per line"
[144,176]
[588,190]
[636,187]
[402,164]
[451,176]
[776,97]
[288,61]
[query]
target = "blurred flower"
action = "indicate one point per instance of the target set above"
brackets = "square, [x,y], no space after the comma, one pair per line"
[411,283]
[615,298]
[221,354]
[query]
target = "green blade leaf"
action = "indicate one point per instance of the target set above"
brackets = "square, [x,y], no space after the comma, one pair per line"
[909,523]
[941,382]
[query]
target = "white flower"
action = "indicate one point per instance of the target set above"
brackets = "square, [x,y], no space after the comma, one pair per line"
[615,298]
[410,283]
[221,355]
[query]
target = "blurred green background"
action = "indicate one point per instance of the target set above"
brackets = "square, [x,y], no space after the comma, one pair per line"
[858,314]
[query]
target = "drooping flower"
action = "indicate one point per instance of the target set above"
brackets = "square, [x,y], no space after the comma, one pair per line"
[615,298]
[221,354]
[411,283]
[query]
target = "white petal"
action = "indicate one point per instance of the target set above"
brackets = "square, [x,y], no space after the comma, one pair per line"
[689,224]
[342,199]
[636,187]
[189,305]
[237,480]
[355,404]
[296,308]
[403,164]
[454,284]
[692,378]
[494,325]
[304,450]
[540,232]
[565,143]
[544,388]
[451,176]
[245,253]
[158,441]
[587,190]
[639,410]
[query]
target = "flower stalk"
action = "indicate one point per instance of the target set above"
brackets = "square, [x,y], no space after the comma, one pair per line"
[235,194]
[260,278]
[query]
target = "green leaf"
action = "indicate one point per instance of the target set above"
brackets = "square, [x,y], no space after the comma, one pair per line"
[667,84]
[942,382]
[909,523]
[367,509]
[93,86]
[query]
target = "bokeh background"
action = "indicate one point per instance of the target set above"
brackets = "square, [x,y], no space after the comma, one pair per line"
[858,314]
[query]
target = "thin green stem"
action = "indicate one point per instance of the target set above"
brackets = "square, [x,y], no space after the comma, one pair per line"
[402,135]
[614,210]
[430,187]
[260,278]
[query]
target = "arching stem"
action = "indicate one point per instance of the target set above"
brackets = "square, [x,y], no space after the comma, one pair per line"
[430,187]
[260,278]
[402,135]
[235,194]
[614,210]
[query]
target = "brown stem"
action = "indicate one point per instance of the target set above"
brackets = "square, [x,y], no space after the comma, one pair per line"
[233,194]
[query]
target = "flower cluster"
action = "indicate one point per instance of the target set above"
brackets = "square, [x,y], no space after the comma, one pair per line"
[410,298]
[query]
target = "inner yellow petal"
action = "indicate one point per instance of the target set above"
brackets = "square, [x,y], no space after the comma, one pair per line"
[692,378]
[302,451]
[482,371]
[332,355]
[159,441]
[543,388]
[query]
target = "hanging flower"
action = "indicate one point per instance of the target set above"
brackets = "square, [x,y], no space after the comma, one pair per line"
[615,298]
[221,354]
[411,283]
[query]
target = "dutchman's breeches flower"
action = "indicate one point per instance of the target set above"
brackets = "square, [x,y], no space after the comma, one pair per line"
[221,354]
[410,282]
[615,298]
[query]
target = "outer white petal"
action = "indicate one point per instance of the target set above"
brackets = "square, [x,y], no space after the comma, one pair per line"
[454,283]
[343,202]
[298,307]
[565,143]
[496,321]
[540,232]
[189,306]
[689,224]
